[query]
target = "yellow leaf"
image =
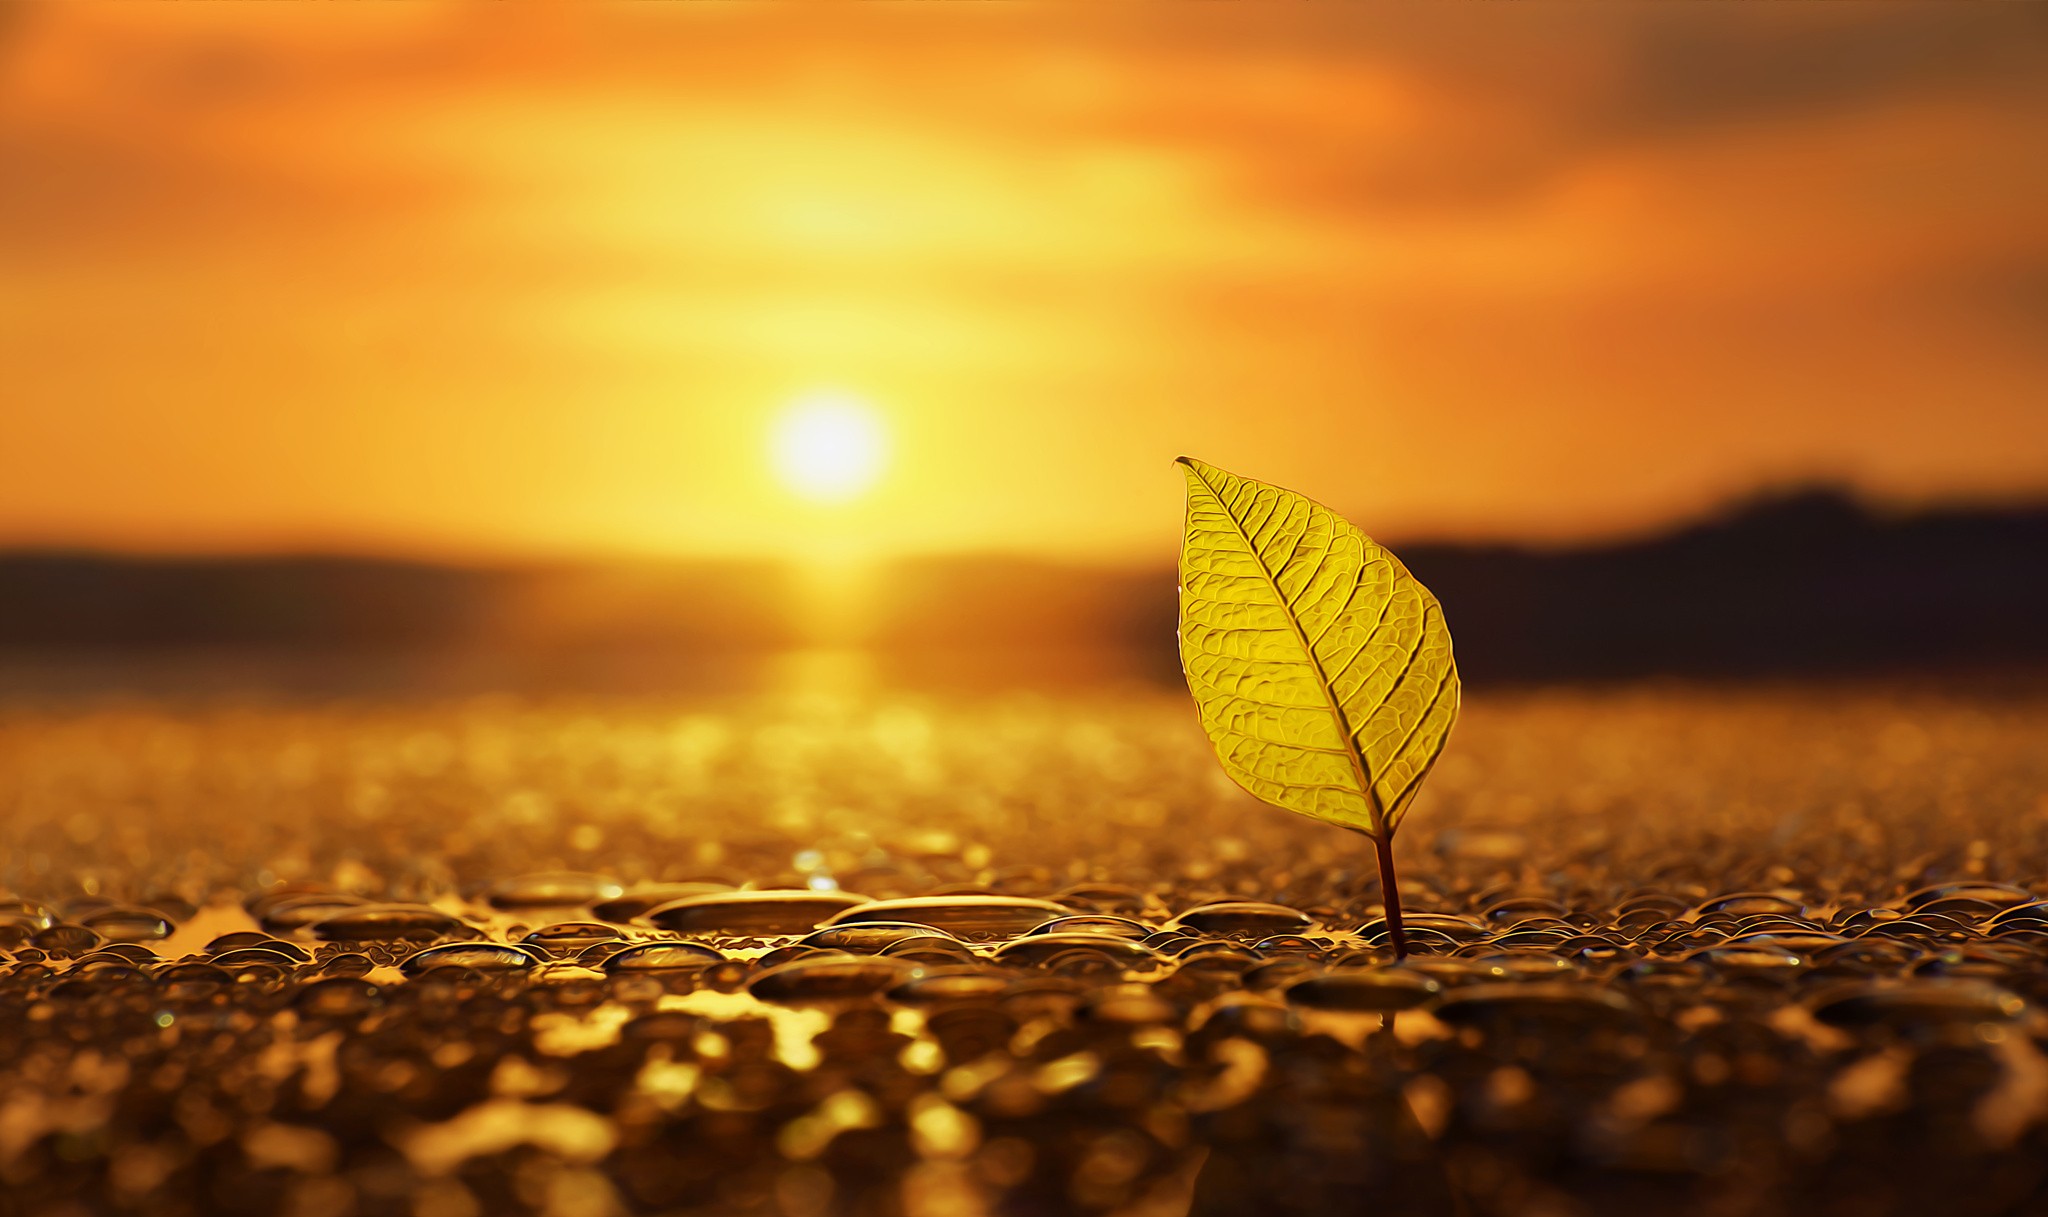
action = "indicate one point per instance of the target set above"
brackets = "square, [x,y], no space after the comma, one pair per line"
[1321,667]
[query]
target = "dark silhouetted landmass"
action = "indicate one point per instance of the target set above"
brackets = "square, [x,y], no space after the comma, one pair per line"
[1800,584]
[92,602]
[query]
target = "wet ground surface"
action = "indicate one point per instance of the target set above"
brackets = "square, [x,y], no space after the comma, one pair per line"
[1762,952]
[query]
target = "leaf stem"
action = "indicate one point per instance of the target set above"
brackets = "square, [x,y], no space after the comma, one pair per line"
[1390,892]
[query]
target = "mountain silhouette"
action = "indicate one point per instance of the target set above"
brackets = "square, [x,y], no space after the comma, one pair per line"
[1808,582]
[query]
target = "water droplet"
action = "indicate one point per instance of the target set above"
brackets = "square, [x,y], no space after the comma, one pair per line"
[1449,926]
[1805,942]
[830,976]
[347,963]
[108,969]
[971,918]
[1094,923]
[754,914]
[245,957]
[387,923]
[62,940]
[1241,919]
[1597,952]
[1999,896]
[663,957]
[1961,909]
[1211,947]
[1919,927]
[1541,939]
[307,911]
[1374,990]
[25,915]
[475,956]
[130,952]
[566,939]
[2030,916]
[1288,944]
[868,938]
[128,924]
[239,939]
[1643,918]
[932,949]
[784,954]
[1037,950]
[1846,920]
[192,982]
[594,955]
[1744,903]
[291,950]
[1773,923]
[95,960]
[1661,931]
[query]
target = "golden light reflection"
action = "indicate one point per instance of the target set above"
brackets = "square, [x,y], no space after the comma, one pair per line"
[829,447]
[835,596]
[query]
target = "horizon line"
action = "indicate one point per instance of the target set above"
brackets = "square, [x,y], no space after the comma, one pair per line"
[1760,499]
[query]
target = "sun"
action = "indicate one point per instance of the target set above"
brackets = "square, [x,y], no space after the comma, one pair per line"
[828,447]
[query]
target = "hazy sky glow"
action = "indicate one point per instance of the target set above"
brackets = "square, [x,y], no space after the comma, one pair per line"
[478,282]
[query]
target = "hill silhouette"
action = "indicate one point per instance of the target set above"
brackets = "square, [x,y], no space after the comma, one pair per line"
[1803,583]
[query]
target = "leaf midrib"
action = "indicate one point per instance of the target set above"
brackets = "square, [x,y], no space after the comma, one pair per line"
[1315,665]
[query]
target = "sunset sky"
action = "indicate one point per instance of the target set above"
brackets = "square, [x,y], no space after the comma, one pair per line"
[489,282]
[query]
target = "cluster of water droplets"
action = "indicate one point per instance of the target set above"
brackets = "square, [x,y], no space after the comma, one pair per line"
[777,979]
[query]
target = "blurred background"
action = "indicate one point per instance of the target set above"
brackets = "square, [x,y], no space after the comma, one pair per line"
[541,345]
